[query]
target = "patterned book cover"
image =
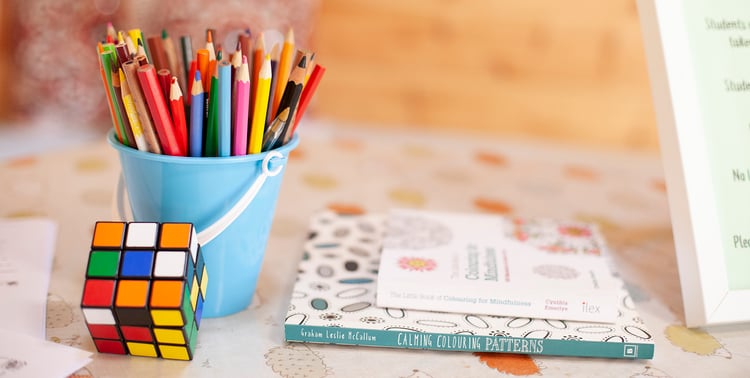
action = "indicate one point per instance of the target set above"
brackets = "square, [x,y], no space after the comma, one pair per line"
[333,302]
[469,262]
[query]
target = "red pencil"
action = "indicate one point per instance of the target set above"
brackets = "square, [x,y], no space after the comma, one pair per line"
[177,105]
[307,92]
[157,106]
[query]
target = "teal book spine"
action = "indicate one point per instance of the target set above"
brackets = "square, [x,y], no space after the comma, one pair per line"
[466,342]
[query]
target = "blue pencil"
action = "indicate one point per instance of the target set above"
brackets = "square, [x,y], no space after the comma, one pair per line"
[196,116]
[225,108]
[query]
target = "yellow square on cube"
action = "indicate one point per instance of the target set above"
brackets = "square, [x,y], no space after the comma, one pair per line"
[142,349]
[167,318]
[169,336]
[204,282]
[194,293]
[174,352]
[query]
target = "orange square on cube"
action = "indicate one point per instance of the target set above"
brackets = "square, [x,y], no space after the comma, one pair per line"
[108,235]
[175,235]
[132,293]
[166,294]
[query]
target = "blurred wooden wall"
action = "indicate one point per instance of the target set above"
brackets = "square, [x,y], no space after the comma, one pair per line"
[569,71]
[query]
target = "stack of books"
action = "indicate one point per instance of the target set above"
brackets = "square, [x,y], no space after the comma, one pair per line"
[463,282]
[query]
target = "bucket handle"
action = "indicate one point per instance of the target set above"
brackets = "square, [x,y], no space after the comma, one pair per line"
[211,232]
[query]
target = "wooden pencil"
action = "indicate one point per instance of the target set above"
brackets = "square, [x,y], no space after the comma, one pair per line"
[292,93]
[177,108]
[173,60]
[258,124]
[130,70]
[211,138]
[197,113]
[284,68]
[158,56]
[121,106]
[224,97]
[307,93]
[259,51]
[275,51]
[130,111]
[186,48]
[157,106]
[241,111]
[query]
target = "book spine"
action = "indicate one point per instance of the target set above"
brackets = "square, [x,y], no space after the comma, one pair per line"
[466,342]
[578,306]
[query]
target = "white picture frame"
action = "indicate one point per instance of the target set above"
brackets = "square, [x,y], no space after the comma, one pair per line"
[696,209]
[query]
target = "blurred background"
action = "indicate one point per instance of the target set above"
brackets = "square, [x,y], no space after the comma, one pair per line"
[568,72]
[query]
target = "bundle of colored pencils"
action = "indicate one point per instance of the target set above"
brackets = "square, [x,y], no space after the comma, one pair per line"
[242,102]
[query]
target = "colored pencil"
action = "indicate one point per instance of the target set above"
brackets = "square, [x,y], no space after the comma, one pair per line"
[273,135]
[201,57]
[159,110]
[240,126]
[173,61]
[165,81]
[130,111]
[292,93]
[192,70]
[307,93]
[121,106]
[259,51]
[186,47]
[137,36]
[275,51]
[106,61]
[236,59]
[130,69]
[196,116]
[263,91]
[177,107]
[225,108]
[158,56]
[284,68]
[210,44]
[211,137]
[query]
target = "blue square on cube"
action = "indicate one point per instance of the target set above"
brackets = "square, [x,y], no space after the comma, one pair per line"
[137,264]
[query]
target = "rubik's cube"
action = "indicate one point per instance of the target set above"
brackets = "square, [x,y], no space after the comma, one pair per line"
[144,290]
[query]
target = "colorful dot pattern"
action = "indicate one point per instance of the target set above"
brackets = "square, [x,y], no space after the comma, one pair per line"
[145,288]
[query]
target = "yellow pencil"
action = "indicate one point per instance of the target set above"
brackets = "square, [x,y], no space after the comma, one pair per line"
[262,95]
[135,122]
[283,69]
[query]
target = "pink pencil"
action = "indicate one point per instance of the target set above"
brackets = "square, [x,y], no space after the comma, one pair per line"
[243,103]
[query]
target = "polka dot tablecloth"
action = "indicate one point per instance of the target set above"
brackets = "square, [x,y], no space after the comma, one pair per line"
[357,170]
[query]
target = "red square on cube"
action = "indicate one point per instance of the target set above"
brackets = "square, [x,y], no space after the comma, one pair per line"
[104,331]
[135,333]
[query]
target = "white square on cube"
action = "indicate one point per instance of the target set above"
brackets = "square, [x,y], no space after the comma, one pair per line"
[99,316]
[169,264]
[141,235]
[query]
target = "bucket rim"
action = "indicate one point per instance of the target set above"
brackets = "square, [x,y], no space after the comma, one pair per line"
[144,155]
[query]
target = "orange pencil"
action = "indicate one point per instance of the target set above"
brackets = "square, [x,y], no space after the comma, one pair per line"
[210,45]
[201,57]
[283,69]
[258,54]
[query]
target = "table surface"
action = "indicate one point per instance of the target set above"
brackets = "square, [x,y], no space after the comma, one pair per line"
[369,170]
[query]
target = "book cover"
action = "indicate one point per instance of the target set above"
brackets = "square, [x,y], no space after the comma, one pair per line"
[333,302]
[455,262]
